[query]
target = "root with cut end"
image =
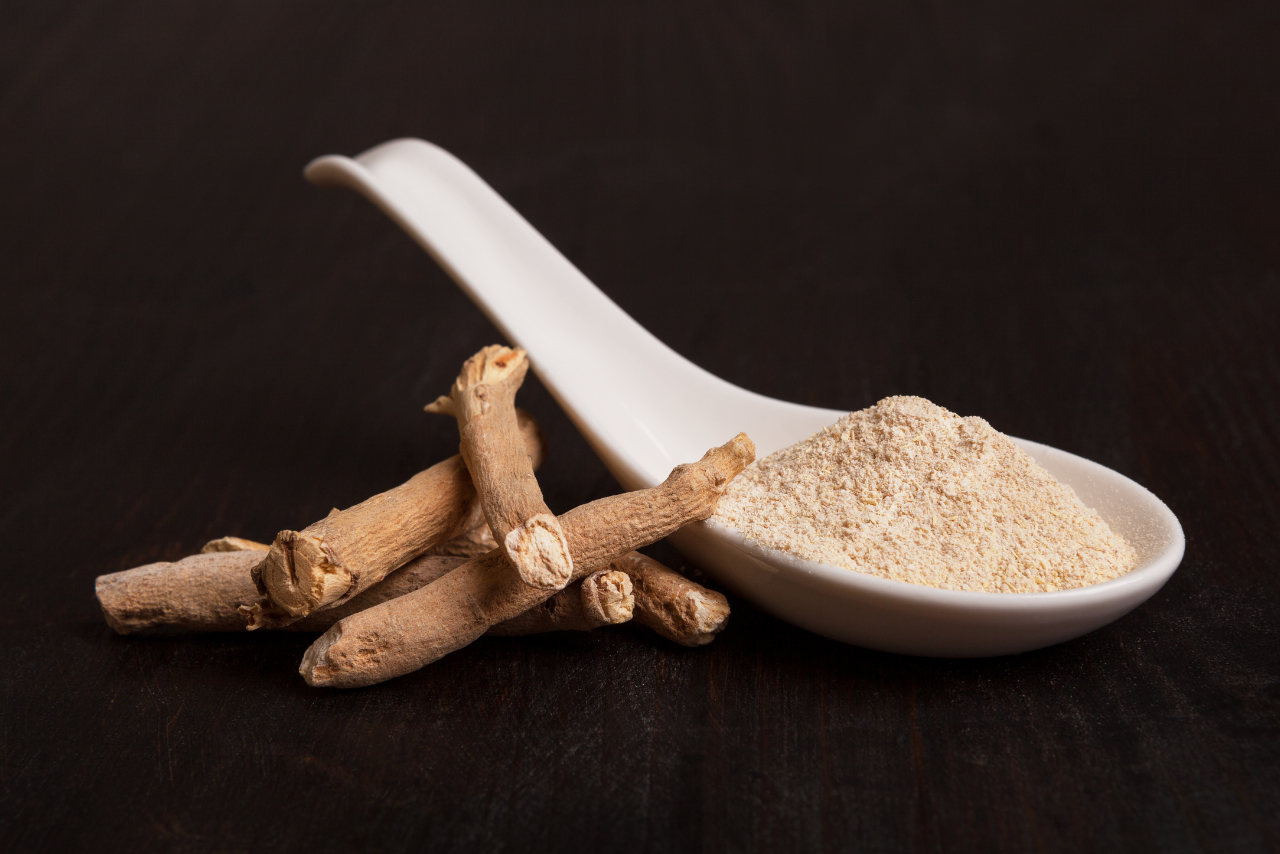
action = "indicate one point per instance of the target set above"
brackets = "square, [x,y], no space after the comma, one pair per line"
[351,550]
[483,402]
[421,627]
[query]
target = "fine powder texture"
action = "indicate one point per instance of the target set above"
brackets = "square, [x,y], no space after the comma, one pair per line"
[909,491]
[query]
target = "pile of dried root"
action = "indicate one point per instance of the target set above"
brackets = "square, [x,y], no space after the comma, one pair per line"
[463,549]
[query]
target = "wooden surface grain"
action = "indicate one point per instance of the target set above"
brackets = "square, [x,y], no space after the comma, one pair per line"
[1065,219]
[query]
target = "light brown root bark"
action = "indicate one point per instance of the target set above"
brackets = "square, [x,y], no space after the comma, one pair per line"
[233,544]
[602,598]
[474,542]
[200,594]
[672,605]
[349,551]
[483,401]
[407,633]
[582,606]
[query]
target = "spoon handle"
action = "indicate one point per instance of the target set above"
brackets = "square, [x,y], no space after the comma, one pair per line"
[531,292]
[617,382]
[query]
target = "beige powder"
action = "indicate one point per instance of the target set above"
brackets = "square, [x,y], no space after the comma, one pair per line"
[909,491]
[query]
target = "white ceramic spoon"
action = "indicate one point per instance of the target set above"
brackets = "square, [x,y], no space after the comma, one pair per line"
[644,409]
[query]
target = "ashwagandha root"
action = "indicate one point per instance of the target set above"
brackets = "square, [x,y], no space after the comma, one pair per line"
[200,594]
[351,550]
[605,597]
[233,544]
[407,633]
[473,542]
[483,401]
[673,606]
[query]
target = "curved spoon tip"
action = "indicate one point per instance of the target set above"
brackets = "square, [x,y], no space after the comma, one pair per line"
[331,170]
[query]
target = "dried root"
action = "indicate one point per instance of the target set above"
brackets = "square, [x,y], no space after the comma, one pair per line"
[200,594]
[603,598]
[673,606]
[414,630]
[233,544]
[483,401]
[465,548]
[349,551]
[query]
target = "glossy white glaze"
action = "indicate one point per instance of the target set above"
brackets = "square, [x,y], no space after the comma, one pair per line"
[644,409]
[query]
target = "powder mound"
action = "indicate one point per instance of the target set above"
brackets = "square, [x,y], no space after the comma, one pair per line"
[910,491]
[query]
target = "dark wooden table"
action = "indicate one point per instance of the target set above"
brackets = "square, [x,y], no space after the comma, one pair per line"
[1063,218]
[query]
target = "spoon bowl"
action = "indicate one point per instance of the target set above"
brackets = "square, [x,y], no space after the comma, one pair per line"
[644,409]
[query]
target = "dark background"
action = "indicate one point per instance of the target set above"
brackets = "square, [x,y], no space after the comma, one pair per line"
[1062,217]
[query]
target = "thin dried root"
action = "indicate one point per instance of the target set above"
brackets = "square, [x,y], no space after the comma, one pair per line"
[414,630]
[603,598]
[349,551]
[673,606]
[200,594]
[483,401]
[582,606]
[233,544]
[473,542]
